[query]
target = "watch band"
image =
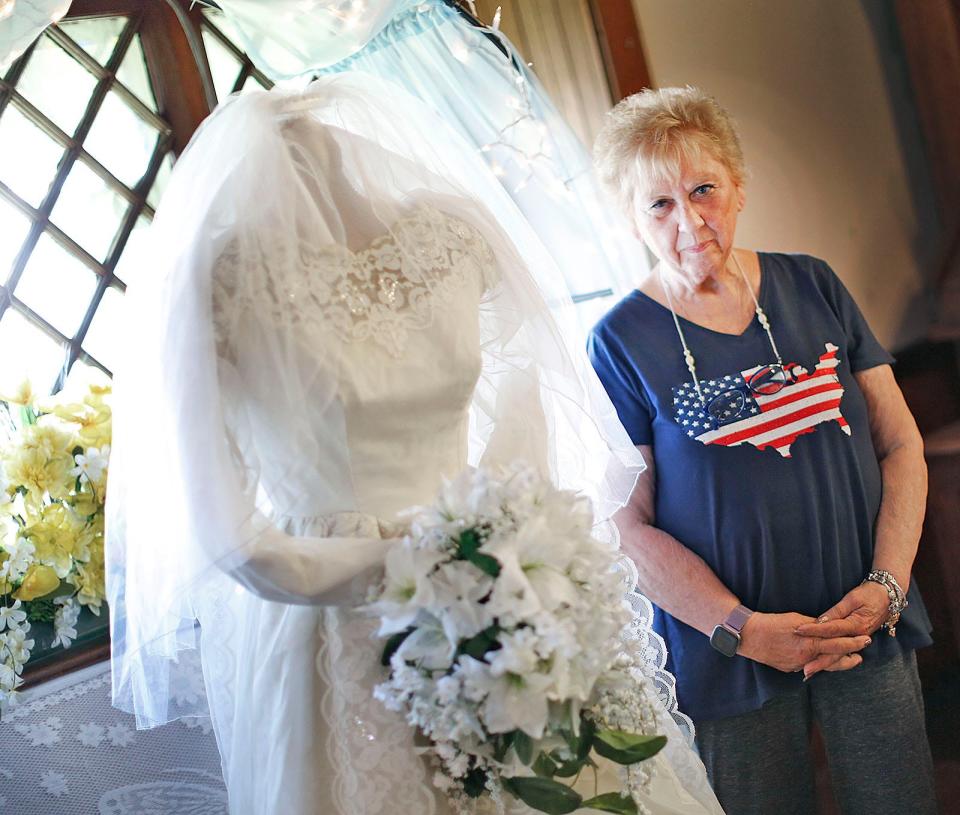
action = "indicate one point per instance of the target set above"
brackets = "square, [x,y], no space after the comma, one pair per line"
[737,619]
[726,636]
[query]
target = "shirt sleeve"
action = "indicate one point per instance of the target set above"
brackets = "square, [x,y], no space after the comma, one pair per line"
[863,348]
[618,380]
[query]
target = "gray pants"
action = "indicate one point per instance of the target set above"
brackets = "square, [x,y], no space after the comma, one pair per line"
[872,723]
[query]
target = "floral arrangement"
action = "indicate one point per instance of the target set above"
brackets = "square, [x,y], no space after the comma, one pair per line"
[53,473]
[510,648]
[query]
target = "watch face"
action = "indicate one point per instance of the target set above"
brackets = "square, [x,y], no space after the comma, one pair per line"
[724,641]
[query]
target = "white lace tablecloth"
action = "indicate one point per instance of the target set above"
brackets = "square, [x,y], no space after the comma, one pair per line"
[65,751]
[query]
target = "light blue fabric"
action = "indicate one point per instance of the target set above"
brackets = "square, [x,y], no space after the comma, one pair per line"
[499,105]
[287,38]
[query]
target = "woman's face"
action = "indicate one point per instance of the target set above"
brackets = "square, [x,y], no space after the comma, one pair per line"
[689,221]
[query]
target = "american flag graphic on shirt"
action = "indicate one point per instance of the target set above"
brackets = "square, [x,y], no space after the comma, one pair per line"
[776,420]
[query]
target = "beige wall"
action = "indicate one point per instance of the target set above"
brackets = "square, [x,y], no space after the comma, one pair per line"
[804,80]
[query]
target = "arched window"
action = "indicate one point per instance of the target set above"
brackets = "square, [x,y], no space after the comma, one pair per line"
[89,129]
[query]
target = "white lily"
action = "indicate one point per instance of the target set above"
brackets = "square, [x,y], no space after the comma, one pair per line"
[459,588]
[428,646]
[12,616]
[510,701]
[408,588]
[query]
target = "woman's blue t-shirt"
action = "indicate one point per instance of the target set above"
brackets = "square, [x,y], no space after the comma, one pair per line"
[782,500]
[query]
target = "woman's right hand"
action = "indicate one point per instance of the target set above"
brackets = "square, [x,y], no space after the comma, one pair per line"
[771,639]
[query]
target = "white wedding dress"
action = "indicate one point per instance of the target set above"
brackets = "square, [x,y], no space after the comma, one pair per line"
[354,366]
[409,371]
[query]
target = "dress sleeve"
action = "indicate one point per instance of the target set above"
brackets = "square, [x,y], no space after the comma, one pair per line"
[863,348]
[619,381]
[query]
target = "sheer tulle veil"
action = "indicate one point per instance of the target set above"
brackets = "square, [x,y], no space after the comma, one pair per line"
[267,175]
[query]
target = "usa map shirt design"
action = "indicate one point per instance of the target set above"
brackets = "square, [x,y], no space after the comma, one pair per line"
[808,400]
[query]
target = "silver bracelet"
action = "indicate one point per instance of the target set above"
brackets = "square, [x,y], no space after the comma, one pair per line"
[898,600]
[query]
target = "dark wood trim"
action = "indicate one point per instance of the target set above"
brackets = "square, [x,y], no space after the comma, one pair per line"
[621,47]
[72,660]
[106,8]
[178,82]
[930,32]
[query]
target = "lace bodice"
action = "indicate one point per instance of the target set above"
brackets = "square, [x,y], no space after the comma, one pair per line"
[399,331]
[381,292]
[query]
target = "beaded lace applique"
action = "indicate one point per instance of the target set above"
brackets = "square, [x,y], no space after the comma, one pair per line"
[380,293]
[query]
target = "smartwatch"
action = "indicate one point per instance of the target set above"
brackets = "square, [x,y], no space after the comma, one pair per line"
[726,636]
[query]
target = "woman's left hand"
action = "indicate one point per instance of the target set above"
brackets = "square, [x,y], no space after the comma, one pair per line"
[861,611]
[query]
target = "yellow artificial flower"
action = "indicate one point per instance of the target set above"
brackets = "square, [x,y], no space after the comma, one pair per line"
[23,395]
[92,418]
[85,503]
[37,582]
[41,460]
[90,581]
[5,586]
[56,533]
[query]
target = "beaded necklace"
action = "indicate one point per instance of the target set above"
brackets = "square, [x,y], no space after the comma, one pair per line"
[688,356]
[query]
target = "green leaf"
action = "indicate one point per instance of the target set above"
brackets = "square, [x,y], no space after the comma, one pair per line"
[523,744]
[475,782]
[478,645]
[468,546]
[580,745]
[544,766]
[612,802]
[502,743]
[587,731]
[544,794]
[568,769]
[627,748]
[28,415]
[392,644]
[41,610]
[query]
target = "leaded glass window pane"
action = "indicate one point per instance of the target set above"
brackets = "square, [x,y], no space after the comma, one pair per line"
[30,353]
[131,261]
[224,65]
[133,75]
[57,84]
[104,338]
[121,141]
[98,36]
[160,182]
[57,286]
[28,157]
[89,211]
[14,226]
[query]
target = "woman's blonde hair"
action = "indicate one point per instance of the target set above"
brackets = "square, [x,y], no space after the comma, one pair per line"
[646,136]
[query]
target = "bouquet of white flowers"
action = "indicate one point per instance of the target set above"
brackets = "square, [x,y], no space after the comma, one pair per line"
[509,646]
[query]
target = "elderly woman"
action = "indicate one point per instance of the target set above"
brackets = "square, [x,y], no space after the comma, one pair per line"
[777,525]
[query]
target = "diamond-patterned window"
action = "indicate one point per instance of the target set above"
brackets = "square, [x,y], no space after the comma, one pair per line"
[81,146]
[92,117]
[86,150]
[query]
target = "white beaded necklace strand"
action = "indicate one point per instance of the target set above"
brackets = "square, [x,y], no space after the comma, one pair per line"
[688,356]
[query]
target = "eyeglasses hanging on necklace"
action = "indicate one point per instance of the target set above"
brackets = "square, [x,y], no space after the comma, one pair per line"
[766,381]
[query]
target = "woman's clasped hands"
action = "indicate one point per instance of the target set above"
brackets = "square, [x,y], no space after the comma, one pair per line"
[832,642]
